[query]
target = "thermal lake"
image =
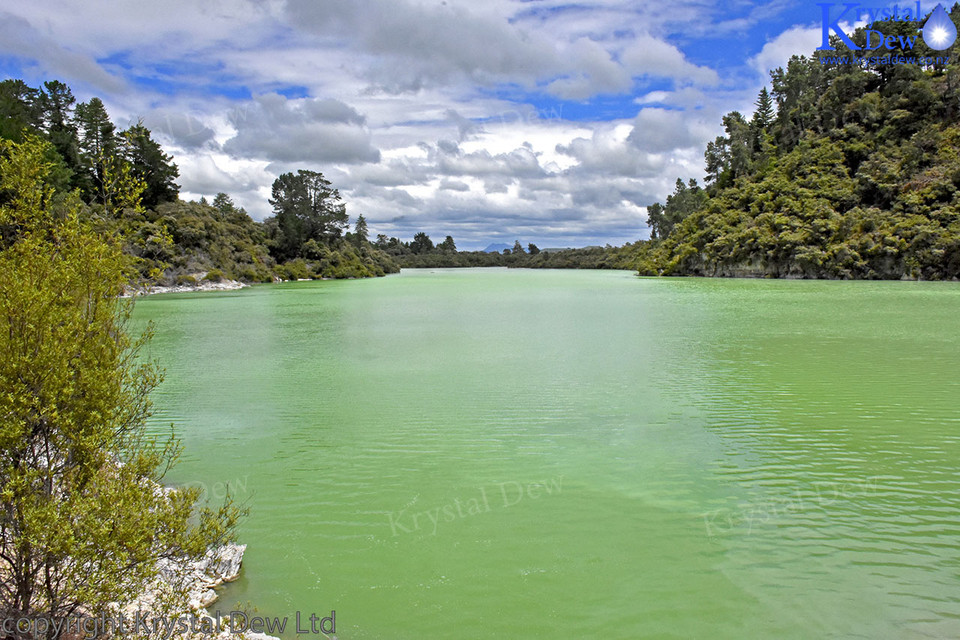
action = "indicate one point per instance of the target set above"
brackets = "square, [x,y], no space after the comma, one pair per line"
[492,453]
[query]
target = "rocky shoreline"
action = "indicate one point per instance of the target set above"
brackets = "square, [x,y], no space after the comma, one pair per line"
[174,603]
[181,593]
[205,285]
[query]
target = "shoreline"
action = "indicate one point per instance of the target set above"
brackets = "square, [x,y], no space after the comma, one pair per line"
[183,590]
[223,285]
[176,601]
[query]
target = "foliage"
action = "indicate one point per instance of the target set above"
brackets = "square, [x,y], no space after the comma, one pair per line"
[855,174]
[83,521]
[307,208]
[443,256]
[150,164]
[421,243]
[127,186]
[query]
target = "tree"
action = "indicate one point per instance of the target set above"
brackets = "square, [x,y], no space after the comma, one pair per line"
[739,143]
[83,520]
[517,248]
[533,249]
[97,141]
[151,165]
[360,231]
[764,115]
[421,243]
[657,221]
[20,110]
[717,158]
[224,204]
[684,201]
[120,188]
[56,102]
[448,245]
[306,208]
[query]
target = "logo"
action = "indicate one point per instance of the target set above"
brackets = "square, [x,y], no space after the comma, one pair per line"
[938,31]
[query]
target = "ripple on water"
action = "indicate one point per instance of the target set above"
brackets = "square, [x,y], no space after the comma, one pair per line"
[737,459]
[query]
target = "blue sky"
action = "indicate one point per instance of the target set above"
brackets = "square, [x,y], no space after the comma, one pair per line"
[551,122]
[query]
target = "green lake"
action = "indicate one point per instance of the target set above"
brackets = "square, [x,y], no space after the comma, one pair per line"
[486,453]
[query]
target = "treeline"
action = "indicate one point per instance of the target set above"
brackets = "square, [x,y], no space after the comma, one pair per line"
[421,253]
[127,186]
[844,171]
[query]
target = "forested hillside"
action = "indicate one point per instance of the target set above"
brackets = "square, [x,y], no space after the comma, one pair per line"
[844,171]
[127,185]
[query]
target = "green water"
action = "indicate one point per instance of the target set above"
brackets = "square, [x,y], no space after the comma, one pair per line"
[603,456]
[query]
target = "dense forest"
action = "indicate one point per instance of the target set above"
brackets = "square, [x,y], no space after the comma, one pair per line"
[127,186]
[845,170]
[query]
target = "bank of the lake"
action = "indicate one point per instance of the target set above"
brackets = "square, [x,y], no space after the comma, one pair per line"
[520,453]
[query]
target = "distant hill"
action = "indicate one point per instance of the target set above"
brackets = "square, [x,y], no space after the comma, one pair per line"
[497,247]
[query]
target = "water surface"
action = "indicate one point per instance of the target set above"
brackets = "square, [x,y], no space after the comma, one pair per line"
[545,454]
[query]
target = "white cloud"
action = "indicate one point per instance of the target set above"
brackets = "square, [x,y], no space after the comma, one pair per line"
[18,37]
[434,115]
[646,55]
[799,40]
[305,130]
[453,185]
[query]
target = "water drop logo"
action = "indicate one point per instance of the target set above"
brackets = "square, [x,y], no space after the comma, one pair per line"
[939,32]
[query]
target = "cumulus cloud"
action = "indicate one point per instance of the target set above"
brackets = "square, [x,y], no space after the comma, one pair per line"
[426,40]
[465,126]
[305,130]
[646,55]
[660,130]
[18,37]
[800,40]
[182,129]
[475,119]
[609,152]
[494,185]
[415,45]
[388,174]
[521,162]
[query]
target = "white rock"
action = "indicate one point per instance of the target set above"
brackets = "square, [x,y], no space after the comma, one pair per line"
[224,564]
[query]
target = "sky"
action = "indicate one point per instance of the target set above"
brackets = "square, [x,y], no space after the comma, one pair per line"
[546,121]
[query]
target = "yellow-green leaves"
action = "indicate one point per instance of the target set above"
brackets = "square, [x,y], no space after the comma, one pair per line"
[82,517]
[24,192]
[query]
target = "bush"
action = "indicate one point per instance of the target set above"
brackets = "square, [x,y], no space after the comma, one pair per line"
[185,280]
[294,270]
[214,275]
